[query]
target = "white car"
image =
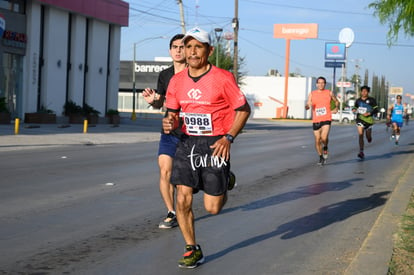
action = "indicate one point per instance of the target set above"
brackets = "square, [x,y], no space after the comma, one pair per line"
[347,116]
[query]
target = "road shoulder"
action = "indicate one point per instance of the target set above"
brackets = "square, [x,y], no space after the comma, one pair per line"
[376,251]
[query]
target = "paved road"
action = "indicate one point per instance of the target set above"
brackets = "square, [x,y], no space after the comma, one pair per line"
[286,216]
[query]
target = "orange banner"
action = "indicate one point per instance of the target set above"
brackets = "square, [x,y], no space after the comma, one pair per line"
[295,31]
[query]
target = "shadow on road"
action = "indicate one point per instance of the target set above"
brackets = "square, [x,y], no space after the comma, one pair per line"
[326,216]
[373,157]
[273,127]
[298,193]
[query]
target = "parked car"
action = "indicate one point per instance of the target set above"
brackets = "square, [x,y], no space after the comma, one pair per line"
[347,116]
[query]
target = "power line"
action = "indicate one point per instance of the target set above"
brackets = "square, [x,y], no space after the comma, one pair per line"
[306,8]
[330,40]
[155,15]
[278,55]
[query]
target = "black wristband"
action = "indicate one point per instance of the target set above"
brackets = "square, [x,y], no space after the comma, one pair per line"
[230,138]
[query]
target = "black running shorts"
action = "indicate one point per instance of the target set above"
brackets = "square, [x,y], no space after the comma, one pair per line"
[361,123]
[194,166]
[318,125]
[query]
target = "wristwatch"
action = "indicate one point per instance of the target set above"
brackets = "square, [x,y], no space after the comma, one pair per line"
[230,138]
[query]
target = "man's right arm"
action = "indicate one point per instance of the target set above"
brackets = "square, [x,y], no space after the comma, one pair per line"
[171,121]
[309,102]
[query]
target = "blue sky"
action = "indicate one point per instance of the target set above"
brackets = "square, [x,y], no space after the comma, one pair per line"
[151,19]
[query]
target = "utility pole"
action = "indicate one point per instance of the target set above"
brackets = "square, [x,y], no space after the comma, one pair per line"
[134,90]
[357,67]
[218,32]
[180,4]
[235,25]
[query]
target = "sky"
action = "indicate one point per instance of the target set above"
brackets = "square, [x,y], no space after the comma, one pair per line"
[153,22]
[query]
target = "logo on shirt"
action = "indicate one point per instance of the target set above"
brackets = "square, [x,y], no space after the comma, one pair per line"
[194,94]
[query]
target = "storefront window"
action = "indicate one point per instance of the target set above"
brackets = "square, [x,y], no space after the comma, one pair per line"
[17,6]
[11,84]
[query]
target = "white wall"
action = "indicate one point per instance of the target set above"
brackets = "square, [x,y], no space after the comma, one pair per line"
[31,60]
[101,89]
[55,59]
[77,59]
[95,90]
[113,81]
[266,94]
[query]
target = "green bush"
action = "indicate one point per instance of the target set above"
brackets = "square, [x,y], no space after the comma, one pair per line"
[112,112]
[3,106]
[71,107]
[89,110]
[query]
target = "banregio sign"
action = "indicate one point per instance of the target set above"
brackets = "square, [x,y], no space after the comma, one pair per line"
[146,74]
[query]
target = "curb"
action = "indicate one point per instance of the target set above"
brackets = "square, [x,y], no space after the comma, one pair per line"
[376,251]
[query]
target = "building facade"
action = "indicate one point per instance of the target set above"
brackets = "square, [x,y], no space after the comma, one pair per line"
[146,76]
[266,95]
[54,51]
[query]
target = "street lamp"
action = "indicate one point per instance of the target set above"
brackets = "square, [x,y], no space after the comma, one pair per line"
[134,115]
[218,32]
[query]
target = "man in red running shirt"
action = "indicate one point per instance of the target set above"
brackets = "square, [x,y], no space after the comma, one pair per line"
[214,111]
[320,102]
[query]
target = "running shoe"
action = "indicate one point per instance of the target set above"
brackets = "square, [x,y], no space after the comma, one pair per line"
[232,181]
[169,222]
[361,155]
[325,153]
[392,137]
[396,143]
[193,256]
[322,160]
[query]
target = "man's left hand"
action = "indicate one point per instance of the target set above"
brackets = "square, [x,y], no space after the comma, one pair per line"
[221,148]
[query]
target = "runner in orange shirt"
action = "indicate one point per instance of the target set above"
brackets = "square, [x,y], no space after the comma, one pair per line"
[320,102]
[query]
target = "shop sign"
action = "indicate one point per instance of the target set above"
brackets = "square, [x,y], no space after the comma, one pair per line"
[295,31]
[2,24]
[335,51]
[150,68]
[14,39]
[396,90]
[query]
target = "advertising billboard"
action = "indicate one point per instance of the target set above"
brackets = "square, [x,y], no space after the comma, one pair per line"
[295,31]
[396,90]
[335,51]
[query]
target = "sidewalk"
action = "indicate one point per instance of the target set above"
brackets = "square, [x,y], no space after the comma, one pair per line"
[31,136]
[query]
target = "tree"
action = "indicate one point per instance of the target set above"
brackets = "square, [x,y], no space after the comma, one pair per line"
[383,102]
[379,91]
[366,78]
[375,92]
[356,81]
[225,61]
[399,14]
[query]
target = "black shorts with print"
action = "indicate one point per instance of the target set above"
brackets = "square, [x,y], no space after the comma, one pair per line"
[194,166]
[361,123]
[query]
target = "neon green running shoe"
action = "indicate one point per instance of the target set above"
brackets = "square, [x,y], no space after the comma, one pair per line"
[193,256]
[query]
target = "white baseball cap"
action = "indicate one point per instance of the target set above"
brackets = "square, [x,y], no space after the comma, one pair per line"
[198,34]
